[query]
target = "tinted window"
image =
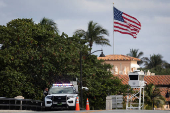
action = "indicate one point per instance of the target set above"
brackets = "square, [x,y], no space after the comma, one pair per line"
[60,90]
[133,77]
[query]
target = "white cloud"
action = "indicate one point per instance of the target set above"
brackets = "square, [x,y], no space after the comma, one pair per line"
[2,4]
[162,20]
[142,4]
[69,26]
[94,6]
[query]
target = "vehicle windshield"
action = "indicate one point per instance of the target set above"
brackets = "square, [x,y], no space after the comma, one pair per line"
[60,90]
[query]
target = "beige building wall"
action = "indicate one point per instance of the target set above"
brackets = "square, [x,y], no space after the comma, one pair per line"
[123,64]
[122,67]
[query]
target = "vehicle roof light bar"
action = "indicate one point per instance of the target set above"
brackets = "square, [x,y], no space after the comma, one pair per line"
[61,85]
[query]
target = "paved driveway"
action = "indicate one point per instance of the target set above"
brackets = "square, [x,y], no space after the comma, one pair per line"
[91,111]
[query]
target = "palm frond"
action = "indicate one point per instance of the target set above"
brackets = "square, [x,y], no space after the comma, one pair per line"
[153,61]
[134,53]
[94,34]
[80,33]
[50,22]
[152,96]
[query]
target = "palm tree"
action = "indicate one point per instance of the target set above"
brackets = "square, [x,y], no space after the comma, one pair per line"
[94,34]
[166,65]
[153,61]
[134,53]
[153,96]
[50,22]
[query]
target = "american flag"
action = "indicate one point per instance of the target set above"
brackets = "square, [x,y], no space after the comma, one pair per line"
[125,23]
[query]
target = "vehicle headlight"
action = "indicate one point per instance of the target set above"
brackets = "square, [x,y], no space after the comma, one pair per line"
[49,97]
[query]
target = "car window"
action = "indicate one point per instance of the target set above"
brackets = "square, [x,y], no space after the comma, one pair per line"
[60,90]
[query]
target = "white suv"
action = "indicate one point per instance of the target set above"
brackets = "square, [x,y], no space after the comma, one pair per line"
[61,96]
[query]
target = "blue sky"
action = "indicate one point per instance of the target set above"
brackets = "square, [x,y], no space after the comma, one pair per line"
[70,15]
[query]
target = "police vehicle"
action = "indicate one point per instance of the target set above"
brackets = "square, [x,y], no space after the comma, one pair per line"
[61,96]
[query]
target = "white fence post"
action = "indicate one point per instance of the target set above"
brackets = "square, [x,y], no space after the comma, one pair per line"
[108,103]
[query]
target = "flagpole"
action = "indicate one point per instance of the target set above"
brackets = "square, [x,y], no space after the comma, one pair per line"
[113,28]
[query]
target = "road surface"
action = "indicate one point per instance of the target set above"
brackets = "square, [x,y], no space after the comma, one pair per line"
[91,111]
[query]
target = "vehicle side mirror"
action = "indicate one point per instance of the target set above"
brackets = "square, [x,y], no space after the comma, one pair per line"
[86,88]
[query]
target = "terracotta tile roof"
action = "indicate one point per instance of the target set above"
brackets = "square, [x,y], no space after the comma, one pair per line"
[163,80]
[118,58]
[163,91]
[124,78]
[156,79]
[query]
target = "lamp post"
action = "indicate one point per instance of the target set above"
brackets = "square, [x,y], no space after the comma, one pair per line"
[81,96]
[167,94]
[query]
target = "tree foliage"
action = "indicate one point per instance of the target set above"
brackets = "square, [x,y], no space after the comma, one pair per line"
[100,82]
[156,65]
[34,56]
[153,97]
[49,22]
[153,61]
[94,34]
[135,53]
